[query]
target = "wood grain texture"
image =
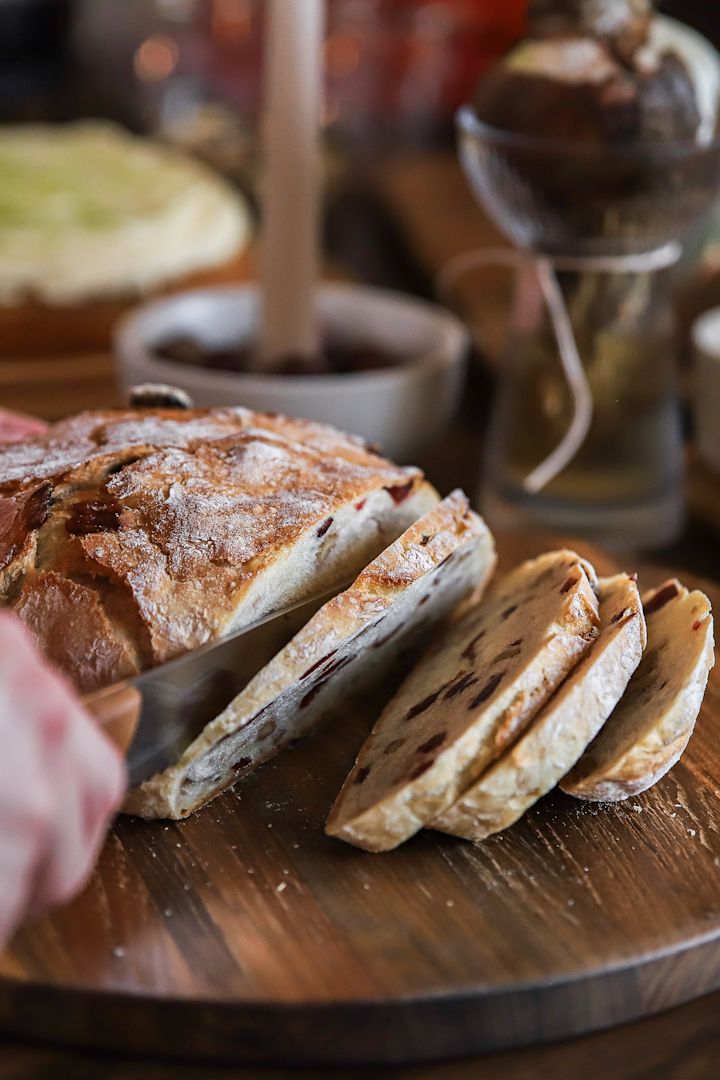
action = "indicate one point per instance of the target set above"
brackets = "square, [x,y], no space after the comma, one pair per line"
[246,934]
[681,1044]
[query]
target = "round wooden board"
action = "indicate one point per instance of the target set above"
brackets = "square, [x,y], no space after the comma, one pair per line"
[246,934]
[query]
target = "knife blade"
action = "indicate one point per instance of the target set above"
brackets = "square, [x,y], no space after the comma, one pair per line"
[155,715]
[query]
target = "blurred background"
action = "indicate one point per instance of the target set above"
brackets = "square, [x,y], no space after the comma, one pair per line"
[189,71]
[396,70]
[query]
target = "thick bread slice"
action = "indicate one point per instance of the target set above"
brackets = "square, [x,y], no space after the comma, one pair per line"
[148,532]
[651,726]
[413,584]
[467,700]
[558,735]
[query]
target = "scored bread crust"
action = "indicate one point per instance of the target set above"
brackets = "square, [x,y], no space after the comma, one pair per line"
[148,532]
[562,730]
[649,730]
[467,700]
[413,584]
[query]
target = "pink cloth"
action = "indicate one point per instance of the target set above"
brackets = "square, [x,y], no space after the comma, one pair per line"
[61,779]
[14,426]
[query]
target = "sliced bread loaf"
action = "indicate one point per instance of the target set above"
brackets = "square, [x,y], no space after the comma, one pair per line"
[130,536]
[415,582]
[558,735]
[467,700]
[650,728]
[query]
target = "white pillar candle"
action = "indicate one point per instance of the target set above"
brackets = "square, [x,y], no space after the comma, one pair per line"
[290,237]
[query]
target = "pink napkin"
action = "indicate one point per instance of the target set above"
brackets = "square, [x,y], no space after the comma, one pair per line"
[14,425]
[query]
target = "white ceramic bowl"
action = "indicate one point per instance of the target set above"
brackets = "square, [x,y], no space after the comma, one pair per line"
[706,340]
[401,408]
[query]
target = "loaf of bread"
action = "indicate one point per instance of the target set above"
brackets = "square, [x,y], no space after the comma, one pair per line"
[467,700]
[562,730]
[417,581]
[130,536]
[651,726]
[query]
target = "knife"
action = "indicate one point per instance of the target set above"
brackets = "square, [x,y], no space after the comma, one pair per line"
[154,716]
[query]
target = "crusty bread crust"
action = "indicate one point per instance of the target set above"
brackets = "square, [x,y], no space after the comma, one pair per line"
[649,730]
[413,584]
[173,527]
[562,730]
[467,700]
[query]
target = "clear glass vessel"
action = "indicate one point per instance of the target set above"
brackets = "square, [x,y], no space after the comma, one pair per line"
[586,202]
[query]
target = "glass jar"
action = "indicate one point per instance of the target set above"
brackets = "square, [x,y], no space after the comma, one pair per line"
[624,487]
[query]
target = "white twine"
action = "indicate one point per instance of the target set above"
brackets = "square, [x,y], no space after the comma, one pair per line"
[545,267]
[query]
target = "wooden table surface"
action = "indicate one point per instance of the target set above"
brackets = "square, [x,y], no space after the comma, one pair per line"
[683,1043]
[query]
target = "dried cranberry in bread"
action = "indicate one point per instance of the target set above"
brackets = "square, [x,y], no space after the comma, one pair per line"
[561,731]
[130,536]
[650,728]
[418,580]
[467,700]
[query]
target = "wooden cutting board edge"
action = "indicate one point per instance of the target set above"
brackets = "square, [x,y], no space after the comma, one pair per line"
[394,1032]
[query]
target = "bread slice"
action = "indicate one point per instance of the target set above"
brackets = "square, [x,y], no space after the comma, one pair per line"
[467,700]
[413,584]
[558,735]
[650,728]
[142,533]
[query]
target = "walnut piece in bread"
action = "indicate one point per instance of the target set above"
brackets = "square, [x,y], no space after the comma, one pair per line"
[562,730]
[158,396]
[130,536]
[416,582]
[467,700]
[650,728]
